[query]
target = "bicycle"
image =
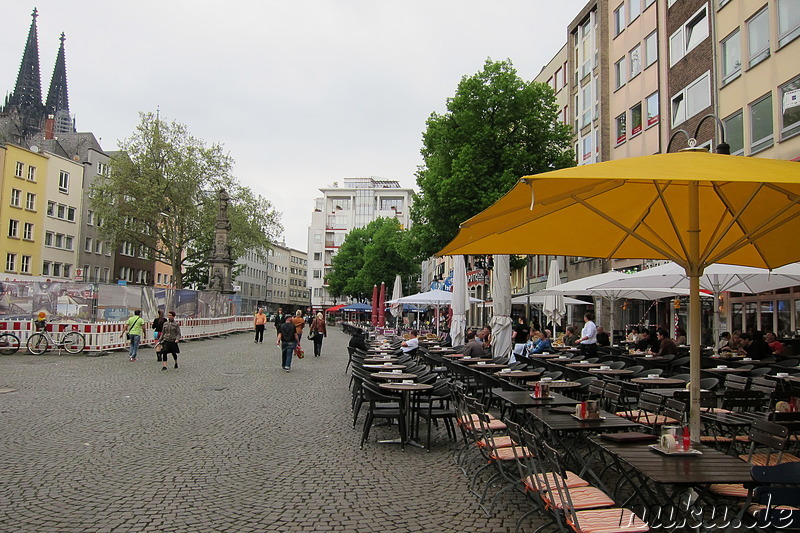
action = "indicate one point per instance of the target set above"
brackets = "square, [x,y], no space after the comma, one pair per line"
[9,343]
[71,342]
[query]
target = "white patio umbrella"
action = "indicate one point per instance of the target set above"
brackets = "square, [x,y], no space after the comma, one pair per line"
[716,279]
[501,298]
[458,324]
[397,292]
[588,287]
[554,307]
[433,297]
[538,299]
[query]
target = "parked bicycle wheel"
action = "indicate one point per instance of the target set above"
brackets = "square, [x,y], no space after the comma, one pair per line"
[74,342]
[37,344]
[9,343]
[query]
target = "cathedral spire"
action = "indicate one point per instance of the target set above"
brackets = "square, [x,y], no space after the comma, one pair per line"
[28,91]
[57,97]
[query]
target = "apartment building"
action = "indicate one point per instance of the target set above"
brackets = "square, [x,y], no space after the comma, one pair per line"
[64,197]
[286,280]
[759,89]
[354,205]
[22,209]
[252,280]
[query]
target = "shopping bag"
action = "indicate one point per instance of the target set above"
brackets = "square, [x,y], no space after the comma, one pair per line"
[298,351]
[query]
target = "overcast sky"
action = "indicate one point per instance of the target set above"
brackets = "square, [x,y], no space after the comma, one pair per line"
[302,93]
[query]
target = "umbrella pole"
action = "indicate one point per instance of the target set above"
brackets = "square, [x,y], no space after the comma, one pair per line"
[694,270]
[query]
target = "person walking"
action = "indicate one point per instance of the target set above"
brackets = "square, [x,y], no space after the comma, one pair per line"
[588,338]
[318,330]
[287,340]
[134,327]
[170,335]
[299,324]
[259,322]
[158,327]
[279,319]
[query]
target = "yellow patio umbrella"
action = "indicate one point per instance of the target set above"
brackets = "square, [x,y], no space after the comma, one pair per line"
[691,207]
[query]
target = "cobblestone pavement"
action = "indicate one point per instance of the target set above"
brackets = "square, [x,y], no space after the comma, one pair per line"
[228,442]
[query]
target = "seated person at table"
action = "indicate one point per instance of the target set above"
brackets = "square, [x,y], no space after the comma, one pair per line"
[724,342]
[474,346]
[445,339]
[736,341]
[519,336]
[681,338]
[666,346]
[602,337]
[543,344]
[570,336]
[774,344]
[412,343]
[754,346]
[485,335]
[644,343]
[357,341]
[633,335]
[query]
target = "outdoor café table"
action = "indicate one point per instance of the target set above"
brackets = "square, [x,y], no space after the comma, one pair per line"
[386,367]
[442,351]
[518,400]
[405,389]
[727,370]
[392,376]
[488,366]
[453,355]
[563,349]
[475,360]
[612,372]
[564,432]
[563,359]
[556,384]
[659,382]
[649,358]
[543,355]
[514,375]
[584,365]
[381,360]
[659,480]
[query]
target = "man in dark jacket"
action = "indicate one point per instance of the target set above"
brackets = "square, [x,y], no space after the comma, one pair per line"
[287,340]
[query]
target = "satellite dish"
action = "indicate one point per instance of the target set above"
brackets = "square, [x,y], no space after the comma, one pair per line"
[76,158]
[35,149]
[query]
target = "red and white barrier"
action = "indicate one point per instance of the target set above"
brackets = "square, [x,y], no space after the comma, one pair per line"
[102,336]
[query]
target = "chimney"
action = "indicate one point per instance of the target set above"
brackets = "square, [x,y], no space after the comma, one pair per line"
[49,126]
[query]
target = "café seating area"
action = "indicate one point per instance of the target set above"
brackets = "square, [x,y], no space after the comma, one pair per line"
[593,444]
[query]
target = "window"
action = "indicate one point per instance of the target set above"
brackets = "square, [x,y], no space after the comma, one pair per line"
[317,274]
[25,264]
[734,131]
[318,238]
[761,124]
[63,182]
[619,19]
[30,201]
[88,245]
[586,146]
[67,271]
[16,194]
[636,119]
[693,99]
[788,21]
[71,214]
[621,123]
[59,240]
[11,262]
[635,9]
[619,73]
[102,168]
[96,273]
[731,56]
[27,231]
[560,78]
[51,209]
[98,246]
[758,38]
[18,169]
[317,256]
[790,108]
[635,56]
[685,39]
[48,238]
[90,218]
[586,105]
[648,3]
[31,173]
[57,269]
[46,268]
[586,50]
[650,49]
[61,211]
[13,228]
[106,274]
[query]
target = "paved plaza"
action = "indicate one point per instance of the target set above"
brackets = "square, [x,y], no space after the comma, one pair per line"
[228,442]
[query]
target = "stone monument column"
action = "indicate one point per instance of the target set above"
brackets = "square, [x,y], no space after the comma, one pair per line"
[221,264]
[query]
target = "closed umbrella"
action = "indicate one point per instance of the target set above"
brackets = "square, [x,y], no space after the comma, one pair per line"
[554,307]
[382,306]
[374,306]
[458,325]
[397,292]
[501,297]
[690,207]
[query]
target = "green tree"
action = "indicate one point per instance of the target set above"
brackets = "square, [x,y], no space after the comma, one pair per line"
[497,128]
[160,194]
[369,256]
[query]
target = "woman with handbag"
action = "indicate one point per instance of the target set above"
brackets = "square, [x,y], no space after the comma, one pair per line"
[317,331]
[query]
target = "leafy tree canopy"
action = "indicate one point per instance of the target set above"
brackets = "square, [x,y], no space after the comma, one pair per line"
[497,128]
[369,256]
[160,194]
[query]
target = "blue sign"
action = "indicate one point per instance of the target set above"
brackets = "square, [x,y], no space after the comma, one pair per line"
[448,283]
[436,285]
